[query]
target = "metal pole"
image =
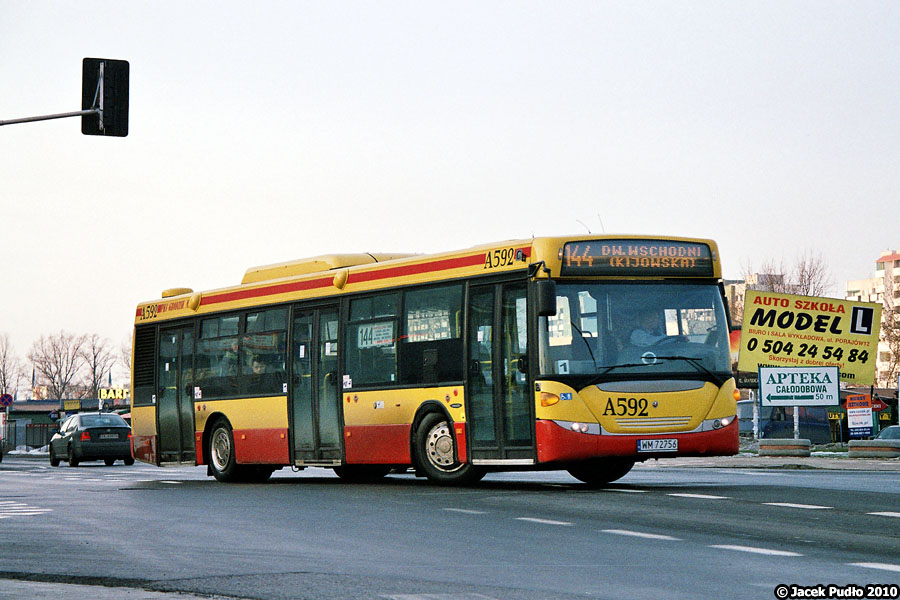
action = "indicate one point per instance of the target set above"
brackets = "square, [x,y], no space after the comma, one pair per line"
[97,108]
[755,415]
[78,113]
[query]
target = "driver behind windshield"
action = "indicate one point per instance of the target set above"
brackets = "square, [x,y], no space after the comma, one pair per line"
[647,332]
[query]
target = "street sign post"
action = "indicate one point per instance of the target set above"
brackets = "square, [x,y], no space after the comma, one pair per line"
[859,415]
[104,99]
[799,386]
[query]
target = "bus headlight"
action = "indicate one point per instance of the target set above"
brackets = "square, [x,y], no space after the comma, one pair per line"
[723,422]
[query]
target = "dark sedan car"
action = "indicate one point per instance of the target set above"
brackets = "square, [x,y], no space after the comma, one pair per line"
[92,436]
[889,433]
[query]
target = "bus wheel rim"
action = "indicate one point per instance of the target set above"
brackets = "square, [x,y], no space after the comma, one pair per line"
[440,447]
[221,449]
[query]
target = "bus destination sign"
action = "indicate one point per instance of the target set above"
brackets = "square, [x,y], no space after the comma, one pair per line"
[637,257]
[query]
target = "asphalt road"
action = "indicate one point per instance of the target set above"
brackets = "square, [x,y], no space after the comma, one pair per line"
[684,531]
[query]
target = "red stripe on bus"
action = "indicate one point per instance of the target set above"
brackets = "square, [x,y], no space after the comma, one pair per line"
[377,444]
[556,444]
[261,446]
[324,282]
[283,288]
[404,271]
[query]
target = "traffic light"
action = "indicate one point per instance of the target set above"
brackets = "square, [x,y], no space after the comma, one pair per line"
[104,86]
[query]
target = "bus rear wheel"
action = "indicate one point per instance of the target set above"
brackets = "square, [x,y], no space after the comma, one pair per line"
[600,471]
[435,453]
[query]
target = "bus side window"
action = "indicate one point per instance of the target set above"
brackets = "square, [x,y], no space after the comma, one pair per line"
[371,341]
[431,348]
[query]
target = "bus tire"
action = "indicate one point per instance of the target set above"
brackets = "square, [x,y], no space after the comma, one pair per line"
[222,463]
[435,453]
[362,473]
[255,473]
[600,471]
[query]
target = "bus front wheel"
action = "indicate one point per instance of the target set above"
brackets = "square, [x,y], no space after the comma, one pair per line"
[435,453]
[221,453]
[600,471]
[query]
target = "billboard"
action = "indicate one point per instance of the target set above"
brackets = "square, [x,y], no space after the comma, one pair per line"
[784,330]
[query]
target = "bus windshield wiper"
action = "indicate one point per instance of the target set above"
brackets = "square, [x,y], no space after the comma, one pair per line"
[695,362]
[608,368]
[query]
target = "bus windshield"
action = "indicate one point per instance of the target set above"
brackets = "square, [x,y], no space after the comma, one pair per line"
[614,331]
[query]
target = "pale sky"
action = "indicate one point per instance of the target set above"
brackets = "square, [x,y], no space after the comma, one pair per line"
[266,131]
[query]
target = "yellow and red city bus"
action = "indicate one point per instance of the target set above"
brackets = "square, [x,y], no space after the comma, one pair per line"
[585,353]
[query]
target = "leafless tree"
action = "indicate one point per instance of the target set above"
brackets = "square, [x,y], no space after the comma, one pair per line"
[811,276]
[808,276]
[125,353]
[11,372]
[98,360]
[57,360]
[890,335]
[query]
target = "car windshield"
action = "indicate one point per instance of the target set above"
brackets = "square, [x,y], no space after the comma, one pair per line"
[890,433]
[110,420]
[617,330]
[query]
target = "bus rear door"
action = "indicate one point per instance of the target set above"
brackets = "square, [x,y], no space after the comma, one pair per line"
[175,396]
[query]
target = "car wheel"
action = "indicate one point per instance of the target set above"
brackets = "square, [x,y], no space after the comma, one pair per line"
[70,455]
[128,461]
[54,460]
[109,461]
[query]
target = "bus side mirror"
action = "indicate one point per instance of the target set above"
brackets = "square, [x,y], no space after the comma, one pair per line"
[546,297]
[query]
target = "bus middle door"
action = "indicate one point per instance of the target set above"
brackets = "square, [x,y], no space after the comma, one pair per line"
[315,392]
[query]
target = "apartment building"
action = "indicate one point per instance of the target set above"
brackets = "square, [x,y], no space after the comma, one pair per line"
[883,287]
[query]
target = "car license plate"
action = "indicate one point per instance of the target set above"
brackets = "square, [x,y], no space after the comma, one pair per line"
[658,445]
[109,436]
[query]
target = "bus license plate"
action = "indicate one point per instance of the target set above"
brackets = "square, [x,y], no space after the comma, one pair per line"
[659,445]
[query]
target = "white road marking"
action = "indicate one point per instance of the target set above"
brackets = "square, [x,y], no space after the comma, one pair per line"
[626,491]
[792,505]
[879,566]
[699,496]
[11,508]
[885,514]
[544,521]
[754,550]
[640,534]
[466,511]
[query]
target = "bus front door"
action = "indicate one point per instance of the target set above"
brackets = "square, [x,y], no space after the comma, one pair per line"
[315,393]
[500,420]
[175,395]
